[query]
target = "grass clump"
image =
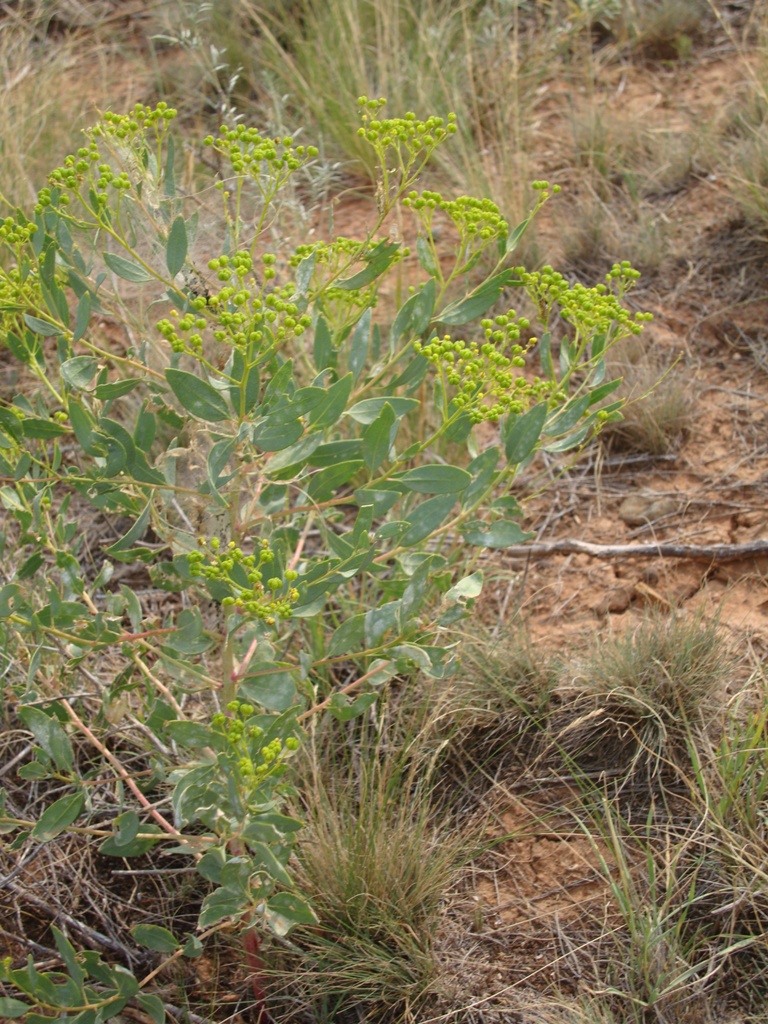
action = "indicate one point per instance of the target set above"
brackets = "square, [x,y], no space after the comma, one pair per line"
[663,30]
[638,692]
[687,882]
[376,864]
[499,702]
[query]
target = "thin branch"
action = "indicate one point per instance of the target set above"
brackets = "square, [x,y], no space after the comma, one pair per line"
[117,765]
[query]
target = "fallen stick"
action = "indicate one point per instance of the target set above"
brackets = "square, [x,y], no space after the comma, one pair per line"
[663,549]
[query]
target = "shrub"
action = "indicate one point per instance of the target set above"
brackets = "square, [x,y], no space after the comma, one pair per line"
[256,446]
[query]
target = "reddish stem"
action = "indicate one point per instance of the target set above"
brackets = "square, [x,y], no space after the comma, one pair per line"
[252,948]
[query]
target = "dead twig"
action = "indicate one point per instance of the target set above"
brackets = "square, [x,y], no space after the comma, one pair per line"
[663,549]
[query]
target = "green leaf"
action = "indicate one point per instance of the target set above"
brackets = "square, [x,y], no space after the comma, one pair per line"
[412,375]
[482,470]
[569,416]
[69,956]
[197,396]
[42,327]
[58,817]
[416,590]
[296,456]
[41,429]
[278,430]
[381,498]
[104,392]
[218,905]
[189,734]
[502,534]
[126,828]
[394,529]
[50,735]
[477,302]
[304,273]
[124,981]
[378,438]
[265,858]
[285,910]
[436,479]
[514,238]
[323,352]
[127,269]
[153,1005]
[545,355]
[271,685]
[79,371]
[218,457]
[415,313]
[525,432]
[308,399]
[83,426]
[325,483]
[468,588]
[573,440]
[460,429]
[136,848]
[176,247]
[135,533]
[426,257]
[427,518]
[599,393]
[328,412]
[11,500]
[349,638]
[379,260]
[152,936]
[82,316]
[189,636]
[369,409]
[567,351]
[8,594]
[344,708]
[193,947]
[13,1008]
[359,344]
[336,451]
[169,171]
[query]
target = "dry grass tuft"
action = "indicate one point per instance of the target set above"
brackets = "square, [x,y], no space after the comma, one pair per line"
[636,694]
[660,404]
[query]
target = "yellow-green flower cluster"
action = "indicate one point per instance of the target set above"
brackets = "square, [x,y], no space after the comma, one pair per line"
[243,315]
[337,259]
[590,310]
[267,600]
[334,255]
[340,255]
[255,762]
[476,220]
[14,234]
[183,333]
[128,130]
[67,177]
[545,189]
[20,284]
[485,375]
[407,131]
[251,153]
[126,127]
